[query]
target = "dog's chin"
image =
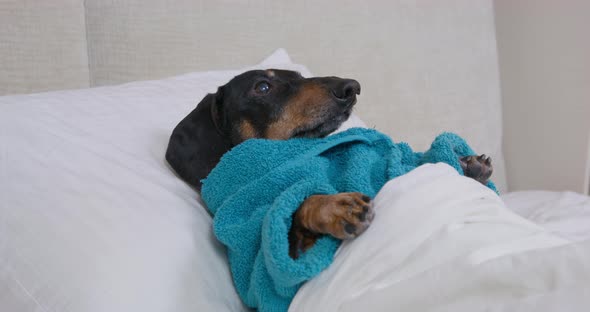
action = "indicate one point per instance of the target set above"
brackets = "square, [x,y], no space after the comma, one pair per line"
[322,128]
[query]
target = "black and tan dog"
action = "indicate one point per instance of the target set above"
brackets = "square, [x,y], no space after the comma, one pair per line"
[278,105]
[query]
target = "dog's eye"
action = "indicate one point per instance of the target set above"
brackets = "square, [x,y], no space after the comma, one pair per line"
[262,87]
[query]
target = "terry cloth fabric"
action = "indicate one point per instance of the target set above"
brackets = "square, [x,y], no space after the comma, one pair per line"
[259,184]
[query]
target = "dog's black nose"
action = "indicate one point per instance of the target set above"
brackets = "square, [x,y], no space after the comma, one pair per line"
[346,89]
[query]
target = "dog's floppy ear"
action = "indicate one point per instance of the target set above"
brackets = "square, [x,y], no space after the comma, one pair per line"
[199,140]
[217,113]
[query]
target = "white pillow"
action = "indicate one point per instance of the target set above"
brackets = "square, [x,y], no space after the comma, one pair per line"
[91,216]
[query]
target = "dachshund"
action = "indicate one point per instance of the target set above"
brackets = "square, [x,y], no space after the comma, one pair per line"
[279,105]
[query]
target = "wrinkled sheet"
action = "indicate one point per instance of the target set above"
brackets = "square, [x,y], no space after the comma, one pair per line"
[566,214]
[442,242]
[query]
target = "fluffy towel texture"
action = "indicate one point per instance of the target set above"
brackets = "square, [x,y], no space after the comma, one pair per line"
[259,184]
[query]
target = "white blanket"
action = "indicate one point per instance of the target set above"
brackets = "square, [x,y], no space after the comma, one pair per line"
[443,242]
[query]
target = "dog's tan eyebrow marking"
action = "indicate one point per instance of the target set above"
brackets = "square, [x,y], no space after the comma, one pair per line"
[270,73]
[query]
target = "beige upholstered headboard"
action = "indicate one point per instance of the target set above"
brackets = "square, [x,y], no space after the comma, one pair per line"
[424,66]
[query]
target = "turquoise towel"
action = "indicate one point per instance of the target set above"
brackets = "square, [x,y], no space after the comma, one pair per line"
[259,184]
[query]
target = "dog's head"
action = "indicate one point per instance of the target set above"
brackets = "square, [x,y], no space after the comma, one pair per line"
[272,104]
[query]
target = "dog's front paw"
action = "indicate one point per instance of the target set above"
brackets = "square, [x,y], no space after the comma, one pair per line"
[477,167]
[343,215]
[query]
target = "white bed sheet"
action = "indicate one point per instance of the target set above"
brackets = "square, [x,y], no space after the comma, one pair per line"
[566,214]
[443,242]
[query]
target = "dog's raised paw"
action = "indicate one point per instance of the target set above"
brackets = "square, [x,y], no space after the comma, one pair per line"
[342,215]
[347,215]
[476,167]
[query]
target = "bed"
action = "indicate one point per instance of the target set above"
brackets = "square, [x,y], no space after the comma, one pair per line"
[93,219]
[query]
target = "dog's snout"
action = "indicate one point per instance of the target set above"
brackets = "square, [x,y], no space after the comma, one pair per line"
[346,89]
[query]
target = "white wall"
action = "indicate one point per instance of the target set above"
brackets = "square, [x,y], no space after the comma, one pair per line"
[544,57]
